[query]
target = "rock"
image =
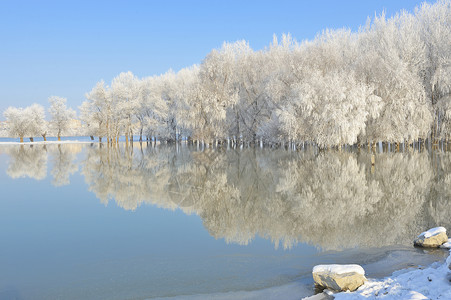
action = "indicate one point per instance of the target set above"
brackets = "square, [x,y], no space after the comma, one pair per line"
[339,277]
[432,238]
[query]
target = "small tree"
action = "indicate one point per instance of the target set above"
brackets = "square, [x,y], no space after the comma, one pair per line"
[17,122]
[60,114]
[27,121]
[36,116]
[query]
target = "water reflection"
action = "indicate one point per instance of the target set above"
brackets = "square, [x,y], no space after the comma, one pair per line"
[333,200]
[31,161]
[27,161]
[64,163]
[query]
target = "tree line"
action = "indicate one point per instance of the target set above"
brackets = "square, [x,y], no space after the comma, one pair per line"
[30,121]
[390,81]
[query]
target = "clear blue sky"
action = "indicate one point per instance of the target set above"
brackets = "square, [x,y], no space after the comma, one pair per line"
[63,48]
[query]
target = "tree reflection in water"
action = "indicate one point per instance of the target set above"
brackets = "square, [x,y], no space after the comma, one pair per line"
[332,200]
[64,165]
[27,161]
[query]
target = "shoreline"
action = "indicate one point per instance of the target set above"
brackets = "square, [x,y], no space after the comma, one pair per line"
[431,282]
[303,287]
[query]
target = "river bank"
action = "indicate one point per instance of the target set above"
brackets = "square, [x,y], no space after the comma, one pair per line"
[432,282]
[380,268]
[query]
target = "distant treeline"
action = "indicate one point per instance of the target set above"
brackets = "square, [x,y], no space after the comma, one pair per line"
[390,81]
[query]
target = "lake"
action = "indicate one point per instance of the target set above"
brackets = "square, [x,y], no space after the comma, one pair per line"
[84,221]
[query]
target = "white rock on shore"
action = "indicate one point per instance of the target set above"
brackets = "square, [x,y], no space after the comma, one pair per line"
[339,277]
[432,238]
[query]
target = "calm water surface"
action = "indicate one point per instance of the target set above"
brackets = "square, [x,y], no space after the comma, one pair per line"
[79,221]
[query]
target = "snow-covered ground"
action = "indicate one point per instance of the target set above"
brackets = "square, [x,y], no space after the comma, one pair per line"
[403,284]
[433,282]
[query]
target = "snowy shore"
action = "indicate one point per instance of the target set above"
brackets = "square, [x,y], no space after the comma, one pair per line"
[432,282]
[402,284]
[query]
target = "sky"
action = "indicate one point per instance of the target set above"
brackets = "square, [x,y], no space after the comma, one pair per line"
[63,48]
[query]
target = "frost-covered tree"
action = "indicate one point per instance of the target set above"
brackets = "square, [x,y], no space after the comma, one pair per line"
[432,20]
[168,131]
[124,93]
[17,121]
[29,121]
[387,82]
[189,112]
[96,112]
[38,125]
[393,60]
[156,117]
[218,92]
[60,115]
[254,106]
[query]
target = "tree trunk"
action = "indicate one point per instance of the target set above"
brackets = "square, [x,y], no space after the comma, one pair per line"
[92,137]
[45,137]
[59,138]
[21,139]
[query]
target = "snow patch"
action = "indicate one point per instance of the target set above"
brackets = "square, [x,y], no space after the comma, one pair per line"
[339,269]
[416,296]
[446,245]
[428,283]
[432,232]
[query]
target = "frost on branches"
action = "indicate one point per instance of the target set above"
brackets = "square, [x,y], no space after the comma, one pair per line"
[390,81]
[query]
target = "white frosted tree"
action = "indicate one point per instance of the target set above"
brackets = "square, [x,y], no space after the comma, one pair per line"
[29,121]
[17,122]
[253,108]
[156,109]
[393,61]
[60,115]
[125,98]
[187,92]
[168,130]
[390,81]
[433,21]
[218,91]
[96,112]
[286,60]
[36,115]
